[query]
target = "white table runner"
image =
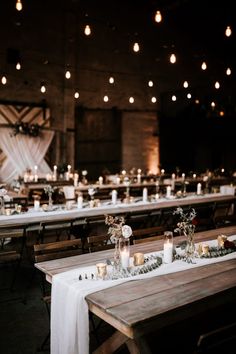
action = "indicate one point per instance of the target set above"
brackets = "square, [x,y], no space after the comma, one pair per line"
[69,309]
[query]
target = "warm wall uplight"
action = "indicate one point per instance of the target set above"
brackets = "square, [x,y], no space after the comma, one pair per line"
[228,71]
[185,84]
[105,98]
[222,113]
[189,96]
[68,74]
[158,16]
[19,5]
[136,47]
[76,95]
[150,83]
[172,58]
[131,100]
[111,80]
[173,98]
[87,30]
[43,88]
[4,80]
[228,31]
[204,66]
[18,66]
[217,85]
[197,101]
[153,99]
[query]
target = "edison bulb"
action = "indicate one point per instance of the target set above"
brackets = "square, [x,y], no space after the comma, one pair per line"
[228,31]
[217,85]
[105,98]
[87,30]
[204,66]
[228,71]
[158,16]
[131,100]
[76,95]
[4,80]
[136,47]
[185,84]
[172,58]
[68,74]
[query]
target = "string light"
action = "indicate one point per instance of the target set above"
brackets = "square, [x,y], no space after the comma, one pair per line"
[158,16]
[228,71]
[111,80]
[4,80]
[217,85]
[68,74]
[43,88]
[213,104]
[150,83]
[228,31]
[153,99]
[131,100]
[105,98]
[189,96]
[172,58]
[173,98]
[185,84]
[19,5]
[87,30]
[136,47]
[18,66]
[76,95]
[203,66]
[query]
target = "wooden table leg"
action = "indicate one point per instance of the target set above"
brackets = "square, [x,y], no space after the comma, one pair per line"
[114,342]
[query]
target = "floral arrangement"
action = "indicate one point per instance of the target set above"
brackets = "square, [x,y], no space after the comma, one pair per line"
[49,189]
[186,225]
[26,129]
[117,227]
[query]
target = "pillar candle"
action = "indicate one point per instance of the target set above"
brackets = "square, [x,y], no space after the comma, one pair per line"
[36,204]
[124,257]
[139,178]
[199,188]
[168,247]
[80,202]
[100,180]
[145,194]
[168,191]
[114,196]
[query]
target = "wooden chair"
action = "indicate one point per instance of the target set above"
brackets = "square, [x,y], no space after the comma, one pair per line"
[221,340]
[99,243]
[12,241]
[143,234]
[147,239]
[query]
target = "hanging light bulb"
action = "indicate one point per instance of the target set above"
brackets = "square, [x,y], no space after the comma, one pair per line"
[131,100]
[189,96]
[87,30]
[213,104]
[185,84]
[153,99]
[173,98]
[158,16]
[228,31]
[19,5]
[228,71]
[18,66]
[136,47]
[105,98]
[150,83]
[76,95]
[217,85]
[68,74]
[203,66]
[111,80]
[43,88]
[4,80]
[172,58]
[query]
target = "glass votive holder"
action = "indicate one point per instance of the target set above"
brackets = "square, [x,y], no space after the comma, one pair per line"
[101,270]
[205,248]
[138,259]
[168,247]
[221,240]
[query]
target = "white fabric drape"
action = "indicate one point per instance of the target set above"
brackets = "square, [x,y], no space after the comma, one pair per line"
[23,152]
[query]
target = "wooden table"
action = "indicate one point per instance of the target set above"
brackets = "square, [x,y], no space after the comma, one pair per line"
[120,208]
[136,308]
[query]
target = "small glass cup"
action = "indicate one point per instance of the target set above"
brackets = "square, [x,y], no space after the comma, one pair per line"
[101,270]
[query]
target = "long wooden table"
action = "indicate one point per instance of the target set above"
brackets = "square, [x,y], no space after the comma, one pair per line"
[107,208]
[138,307]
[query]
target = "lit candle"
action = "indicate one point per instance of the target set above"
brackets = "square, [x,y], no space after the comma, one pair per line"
[100,180]
[183,176]
[194,175]
[36,204]
[139,178]
[80,202]
[114,196]
[35,173]
[205,248]
[162,171]
[173,181]
[123,172]
[145,194]
[168,247]
[199,188]
[138,259]
[76,178]
[124,257]
[168,191]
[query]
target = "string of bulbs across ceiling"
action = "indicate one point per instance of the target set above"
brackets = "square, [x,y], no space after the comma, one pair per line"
[136,48]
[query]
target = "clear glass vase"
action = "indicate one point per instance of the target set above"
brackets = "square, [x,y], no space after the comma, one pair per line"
[190,246]
[124,247]
[50,201]
[116,262]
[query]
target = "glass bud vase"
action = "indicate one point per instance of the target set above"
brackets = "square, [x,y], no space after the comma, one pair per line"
[50,201]
[116,263]
[190,247]
[124,246]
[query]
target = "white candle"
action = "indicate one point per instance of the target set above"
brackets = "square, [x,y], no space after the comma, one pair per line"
[194,175]
[35,169]
[69,168]
[76,178]
[183,176]
[124,257]
[162,171]
[114,196]
[199,188]
[145,194]
[168,252]
[36,204]
[139,178]
[100,180]
[35,178]
[173,176]
[80,202]
[168,191]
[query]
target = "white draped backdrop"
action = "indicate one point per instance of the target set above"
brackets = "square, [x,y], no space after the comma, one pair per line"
[23,152]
